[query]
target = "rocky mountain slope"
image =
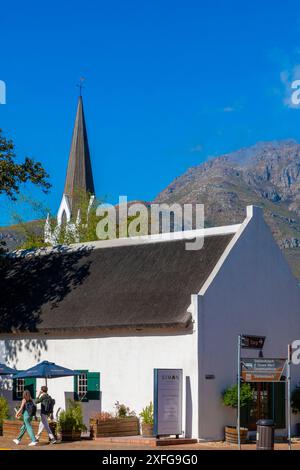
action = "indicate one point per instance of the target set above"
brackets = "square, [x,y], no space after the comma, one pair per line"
[266,174]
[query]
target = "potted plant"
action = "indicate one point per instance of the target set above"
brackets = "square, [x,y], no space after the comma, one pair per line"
[230,399]
[70,422]
[295,405]
[147,420]
[123,411]
[4,412]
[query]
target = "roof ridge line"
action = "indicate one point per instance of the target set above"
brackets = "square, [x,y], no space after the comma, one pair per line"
[135,241]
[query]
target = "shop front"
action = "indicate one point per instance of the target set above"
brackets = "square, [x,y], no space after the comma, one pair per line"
[269,403]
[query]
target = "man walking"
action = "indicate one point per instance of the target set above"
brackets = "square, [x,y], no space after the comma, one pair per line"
[47,404]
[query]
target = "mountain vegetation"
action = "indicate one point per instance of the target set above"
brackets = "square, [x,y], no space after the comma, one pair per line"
[266,174]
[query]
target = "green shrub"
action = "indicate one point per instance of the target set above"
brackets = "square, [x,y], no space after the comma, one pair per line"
[147,414]
[230,396]
[123,411]
[71,419]
[4,410]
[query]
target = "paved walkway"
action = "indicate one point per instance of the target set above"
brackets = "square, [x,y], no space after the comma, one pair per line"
[96,445]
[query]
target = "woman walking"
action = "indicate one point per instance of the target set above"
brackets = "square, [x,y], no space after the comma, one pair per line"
[28,410]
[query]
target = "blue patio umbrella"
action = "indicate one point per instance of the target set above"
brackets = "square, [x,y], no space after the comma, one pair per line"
[5,370]
[46,370]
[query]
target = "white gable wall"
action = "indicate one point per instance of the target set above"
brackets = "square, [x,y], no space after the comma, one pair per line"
[126,363]
[252,291]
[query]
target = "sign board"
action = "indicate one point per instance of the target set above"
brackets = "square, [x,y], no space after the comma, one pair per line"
[167,401]
[252,342]
[262,370]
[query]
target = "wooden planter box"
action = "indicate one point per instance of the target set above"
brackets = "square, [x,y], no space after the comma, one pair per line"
[115,427]
[231,435]
[70,435]
[147,430]
[11,430]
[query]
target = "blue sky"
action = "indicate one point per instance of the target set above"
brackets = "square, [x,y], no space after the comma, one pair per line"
[168,84]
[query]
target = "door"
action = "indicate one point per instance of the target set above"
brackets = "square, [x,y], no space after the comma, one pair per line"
[269,403]
[261,407]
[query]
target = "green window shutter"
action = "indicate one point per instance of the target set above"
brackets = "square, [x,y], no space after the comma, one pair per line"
[279,404]
[30,384]
[93,385]
[75,386]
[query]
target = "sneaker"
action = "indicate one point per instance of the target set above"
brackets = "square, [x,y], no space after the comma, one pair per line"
[37,438]
[52,441]
[33,443]
[16,441]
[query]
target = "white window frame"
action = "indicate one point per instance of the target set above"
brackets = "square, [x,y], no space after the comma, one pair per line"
[20,387]
[82,385]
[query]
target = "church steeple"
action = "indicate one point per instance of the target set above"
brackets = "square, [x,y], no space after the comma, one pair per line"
[79,176]
[79,180]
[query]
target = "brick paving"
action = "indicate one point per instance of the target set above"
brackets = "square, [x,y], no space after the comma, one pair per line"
[98,445]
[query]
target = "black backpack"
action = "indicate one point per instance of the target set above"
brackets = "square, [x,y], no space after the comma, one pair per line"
[48,405]
[30,408]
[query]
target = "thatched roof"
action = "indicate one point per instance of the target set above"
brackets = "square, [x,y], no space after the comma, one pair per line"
[143,285]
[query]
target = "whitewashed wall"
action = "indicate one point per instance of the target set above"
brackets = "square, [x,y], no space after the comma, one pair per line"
[253,293]
[126,366]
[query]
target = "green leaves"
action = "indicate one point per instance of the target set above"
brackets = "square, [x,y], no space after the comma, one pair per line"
[123,411]
[72,418]
[4,410]
[230,396]
[13,174]
[147,414]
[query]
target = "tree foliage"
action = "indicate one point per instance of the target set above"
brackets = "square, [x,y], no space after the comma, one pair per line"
[13,174]
[230,396]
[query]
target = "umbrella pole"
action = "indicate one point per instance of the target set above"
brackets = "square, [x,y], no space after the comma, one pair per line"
[46,382]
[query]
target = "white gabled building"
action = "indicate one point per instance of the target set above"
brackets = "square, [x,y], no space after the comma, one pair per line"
[118,309]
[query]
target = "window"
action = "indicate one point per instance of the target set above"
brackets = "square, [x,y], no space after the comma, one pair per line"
[87,386]
[82,386]
[19,385]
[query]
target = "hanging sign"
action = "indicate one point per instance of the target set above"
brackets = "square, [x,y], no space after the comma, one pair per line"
[167,402]
[262,370]
[252,342]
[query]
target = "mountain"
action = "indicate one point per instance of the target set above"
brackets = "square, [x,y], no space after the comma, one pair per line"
[266,174]
[14,236]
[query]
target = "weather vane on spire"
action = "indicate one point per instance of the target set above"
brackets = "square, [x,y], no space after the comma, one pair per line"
[80,85]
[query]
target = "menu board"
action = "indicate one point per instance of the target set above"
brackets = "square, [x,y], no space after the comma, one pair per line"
[167,402]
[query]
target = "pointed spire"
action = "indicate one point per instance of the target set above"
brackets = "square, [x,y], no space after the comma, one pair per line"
[79,173]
